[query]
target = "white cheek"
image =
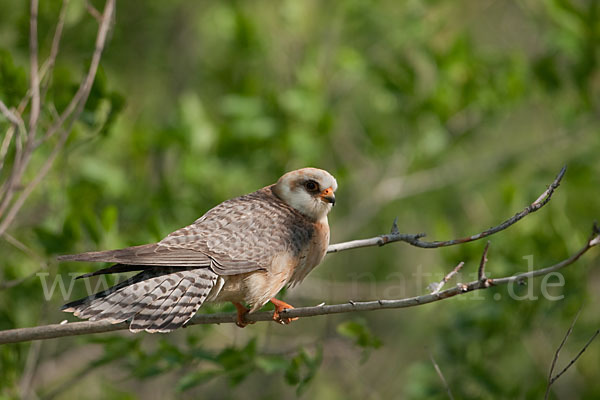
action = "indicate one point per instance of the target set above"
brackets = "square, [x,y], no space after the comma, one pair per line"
[307,204]
[302,202]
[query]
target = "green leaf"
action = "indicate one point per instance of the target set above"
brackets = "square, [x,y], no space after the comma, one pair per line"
[196,378]
[303,368]
[360,333]
[270,363]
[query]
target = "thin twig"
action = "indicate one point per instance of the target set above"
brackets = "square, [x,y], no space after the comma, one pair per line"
[552,379]
[439,372]
[33,70]
[73,110]
[21,246]
[414,239]
[8,114]
[437,286]
[555,359]
[92,10]
[78,100]
[44,71]
[48,66]
[594,240]
[7,186]
[16,124]
[482,263]
[6,144]
[31,364]
[87,327]
[591,339]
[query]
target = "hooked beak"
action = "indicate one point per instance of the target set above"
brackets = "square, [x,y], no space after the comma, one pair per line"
[328,196]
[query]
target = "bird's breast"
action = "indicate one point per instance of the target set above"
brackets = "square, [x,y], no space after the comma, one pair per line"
[313,252]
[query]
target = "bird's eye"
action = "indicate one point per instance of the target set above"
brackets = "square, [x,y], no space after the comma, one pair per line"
[311,186]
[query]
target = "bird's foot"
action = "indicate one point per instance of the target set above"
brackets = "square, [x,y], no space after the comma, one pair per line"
[241,315]
[279,307]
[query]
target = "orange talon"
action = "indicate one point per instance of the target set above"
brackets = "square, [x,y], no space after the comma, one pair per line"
[279,307]
[241,315]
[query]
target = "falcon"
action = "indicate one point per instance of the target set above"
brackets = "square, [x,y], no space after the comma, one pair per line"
[244,250]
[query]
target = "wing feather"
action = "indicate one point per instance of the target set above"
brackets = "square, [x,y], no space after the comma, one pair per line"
[237,236]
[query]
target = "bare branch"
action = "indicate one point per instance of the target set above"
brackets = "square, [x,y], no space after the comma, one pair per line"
[48,65]
[590,340]
[413,239]
[482,263]
[33,68]
[552,379]
[21,246]
[20,163]
[6,144]
[555,359]
[594,240]
[439,372]
[12,213]
[31,362]
[9,114]
[92,10]
[73,110]
[87,327]
[436,287]
[76,104]
[16,123]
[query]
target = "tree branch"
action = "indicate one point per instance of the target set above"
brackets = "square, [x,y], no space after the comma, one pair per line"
[87,327]
[441,375]
[72,111]
[16,124]
[10,116]
[414,239]
[552,379]
[33,70]
[583,349]
[481,271]
[437,286]
[48,66]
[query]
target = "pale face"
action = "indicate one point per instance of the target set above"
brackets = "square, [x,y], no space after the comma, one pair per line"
[308,190]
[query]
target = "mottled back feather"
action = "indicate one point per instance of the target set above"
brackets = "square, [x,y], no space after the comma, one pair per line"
[237,236]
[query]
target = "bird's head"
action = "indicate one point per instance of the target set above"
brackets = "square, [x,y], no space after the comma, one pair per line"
[308,190]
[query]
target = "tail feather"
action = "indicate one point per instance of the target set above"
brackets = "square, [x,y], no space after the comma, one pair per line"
[162,307]
[155,300]
[114,269]
[175,307]
[81,304]
[124,304]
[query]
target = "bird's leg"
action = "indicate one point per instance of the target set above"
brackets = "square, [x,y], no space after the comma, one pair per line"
[241,315]
[279,307]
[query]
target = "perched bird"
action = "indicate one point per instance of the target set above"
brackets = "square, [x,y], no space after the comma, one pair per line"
[244,250]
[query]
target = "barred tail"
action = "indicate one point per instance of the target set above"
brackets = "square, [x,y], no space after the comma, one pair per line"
[155,300]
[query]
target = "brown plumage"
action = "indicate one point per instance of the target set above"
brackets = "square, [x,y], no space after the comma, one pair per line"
[244,250]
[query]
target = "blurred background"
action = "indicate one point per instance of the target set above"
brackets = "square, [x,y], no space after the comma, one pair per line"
[450,115]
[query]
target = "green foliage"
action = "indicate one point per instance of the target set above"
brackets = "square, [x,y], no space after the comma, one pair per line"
[13,81]
[302,369]
[449,115]
[360,334]
[199,366]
